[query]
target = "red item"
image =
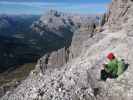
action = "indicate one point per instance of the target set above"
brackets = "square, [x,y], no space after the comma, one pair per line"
[110,56]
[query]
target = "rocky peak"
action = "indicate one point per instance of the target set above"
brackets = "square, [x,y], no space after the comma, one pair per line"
[120,14]
[62,24]
[66,27]
[79,78]
[54,23]
[55,13]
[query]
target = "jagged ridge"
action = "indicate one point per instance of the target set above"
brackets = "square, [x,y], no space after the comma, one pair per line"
[78,78]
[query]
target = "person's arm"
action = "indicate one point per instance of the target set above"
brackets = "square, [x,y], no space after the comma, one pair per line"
[108,67]
[105,67]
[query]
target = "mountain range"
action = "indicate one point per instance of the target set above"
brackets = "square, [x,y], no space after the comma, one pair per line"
[78,77]
[26,38]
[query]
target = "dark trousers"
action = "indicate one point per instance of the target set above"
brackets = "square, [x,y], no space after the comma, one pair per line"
[105,75]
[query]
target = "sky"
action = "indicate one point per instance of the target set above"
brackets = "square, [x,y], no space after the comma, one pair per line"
[38,7]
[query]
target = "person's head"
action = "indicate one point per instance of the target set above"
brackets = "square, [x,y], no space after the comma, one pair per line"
[111,56]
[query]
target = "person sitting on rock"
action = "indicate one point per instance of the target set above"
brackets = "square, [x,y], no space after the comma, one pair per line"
[113,69]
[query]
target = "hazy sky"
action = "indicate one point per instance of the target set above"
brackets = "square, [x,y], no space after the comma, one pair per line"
[41,6]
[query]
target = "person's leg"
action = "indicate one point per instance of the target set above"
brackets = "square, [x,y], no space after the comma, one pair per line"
[112,76]
[104,75]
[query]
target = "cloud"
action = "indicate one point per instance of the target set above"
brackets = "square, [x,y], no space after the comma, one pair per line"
[30,3]
[70,1]
[35,4]
[88,5]
[40,7]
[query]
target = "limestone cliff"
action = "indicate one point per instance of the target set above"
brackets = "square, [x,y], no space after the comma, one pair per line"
[78,79]
[72,29]
[61,35]
[120,14]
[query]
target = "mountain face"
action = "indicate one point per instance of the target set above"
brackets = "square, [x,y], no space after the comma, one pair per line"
[65,30]
[70,69]
[79,78]
[30,37]
[16,24]
[63,36]
[17,42]
[61,24]
[122,17]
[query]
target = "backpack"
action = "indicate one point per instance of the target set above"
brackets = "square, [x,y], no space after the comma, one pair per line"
[121,67]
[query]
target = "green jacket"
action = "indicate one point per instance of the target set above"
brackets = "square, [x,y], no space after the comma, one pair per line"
[115,67]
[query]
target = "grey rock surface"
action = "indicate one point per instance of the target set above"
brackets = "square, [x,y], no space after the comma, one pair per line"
[62,24]
[72,29]
[120,14]
[56,38]
[79,78]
